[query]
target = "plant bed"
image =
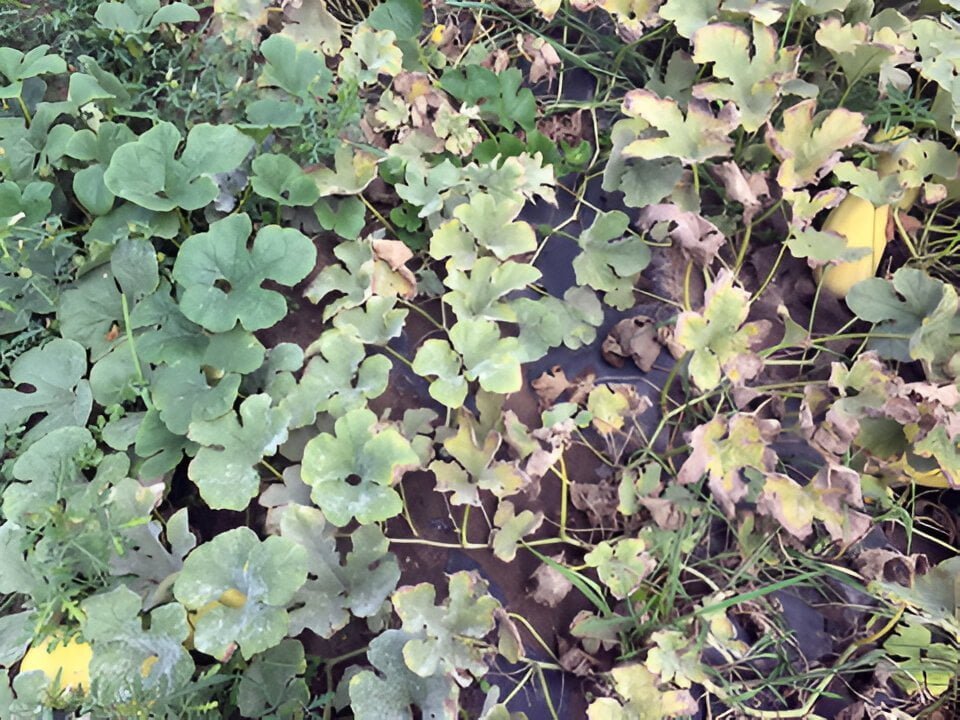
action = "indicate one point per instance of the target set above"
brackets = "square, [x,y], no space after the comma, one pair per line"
[479,360]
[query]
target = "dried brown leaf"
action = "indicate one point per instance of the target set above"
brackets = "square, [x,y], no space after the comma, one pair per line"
[551,385]
[698,238]
[550,585]
[635,338]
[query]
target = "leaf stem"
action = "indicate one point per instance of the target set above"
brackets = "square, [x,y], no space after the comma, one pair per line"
[128,331]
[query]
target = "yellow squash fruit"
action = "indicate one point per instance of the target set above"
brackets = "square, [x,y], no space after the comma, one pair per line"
[231,598]
[66,663]
[863,226]
[924,471]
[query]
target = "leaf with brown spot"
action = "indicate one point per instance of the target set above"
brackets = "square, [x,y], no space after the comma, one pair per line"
[808,152]
[722,449]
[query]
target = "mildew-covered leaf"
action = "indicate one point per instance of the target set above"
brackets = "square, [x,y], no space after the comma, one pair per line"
[130,659]
[476,467]
[58,392]
[353,471]
[339,377]
[390,690]
[622,566]
[511,528]
[267,573]
[445,636]
[224,467]
[641,698]
[723,448]
[483,291]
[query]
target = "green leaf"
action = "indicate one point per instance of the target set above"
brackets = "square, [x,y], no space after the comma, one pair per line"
[272,686]
[131,660]
[482,293]
[445,635]
[352,472]
[16,67]
[114,379]
[499,95]
[146,562]
[371,53]
[224,467]
[161,449]
[718,337]
[389,691]
[476,468]
[807,153]
[699,136]
[494,226]
[16,632]
[339,377]
[208,261]
[511,529]
[272,113]
[148,173]
[403,17]
[89,312]
[168,338]
[47,471]
[280,179]
[488,358]
[923,325]
[335,589]
[298,70]
[346,216]
[134,16]
[33,201]
[609,261]
[91,191]
[60,394]
[755,83]
[182,394]
[267,572]
[623,566]
[438,358]
[922,659]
